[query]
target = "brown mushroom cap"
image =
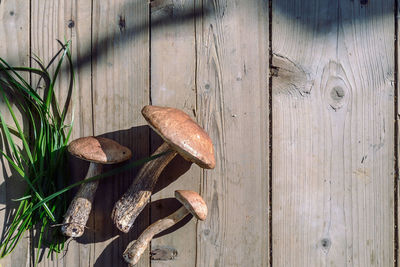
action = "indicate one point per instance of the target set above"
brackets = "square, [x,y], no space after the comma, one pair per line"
[182,133]
[193,202]
[99,149]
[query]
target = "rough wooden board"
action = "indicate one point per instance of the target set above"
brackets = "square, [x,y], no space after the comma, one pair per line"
[397,122]
[333,133]
[79,23]
[232,84]
[52,20]
[120,89]
[14,48]
[173,67]
[57,20]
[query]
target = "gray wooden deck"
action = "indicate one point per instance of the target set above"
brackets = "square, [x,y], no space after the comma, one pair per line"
[299,98]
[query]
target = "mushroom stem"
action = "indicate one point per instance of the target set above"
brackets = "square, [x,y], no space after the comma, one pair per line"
[129,206]
[78,211]
[136,248]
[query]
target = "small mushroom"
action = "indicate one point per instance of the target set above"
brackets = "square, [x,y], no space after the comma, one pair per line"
[181,135]
[192,203]
[98,151]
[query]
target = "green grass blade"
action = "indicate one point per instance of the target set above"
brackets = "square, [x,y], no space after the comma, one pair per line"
[15,166]
[21,133]
[23,175]
[22,198]
[94,178]
[71,84]
[10,141]
[51,88]
[26,88]
[40,242]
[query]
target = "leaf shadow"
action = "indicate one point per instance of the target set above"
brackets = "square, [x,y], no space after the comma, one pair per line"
[160,209]
[100,225]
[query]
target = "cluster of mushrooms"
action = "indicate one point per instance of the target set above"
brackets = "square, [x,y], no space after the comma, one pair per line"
[181,135]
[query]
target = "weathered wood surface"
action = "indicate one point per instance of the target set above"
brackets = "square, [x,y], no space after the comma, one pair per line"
[397,114]
[173,78]
[333,133]
[120,37]
[14,24]
[52,20]
[333,150]
[232,105]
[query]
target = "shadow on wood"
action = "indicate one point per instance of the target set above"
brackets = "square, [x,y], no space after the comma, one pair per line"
[176,168]
[128,33]
[101,227]
[163,207]
[330,14]
[13,187]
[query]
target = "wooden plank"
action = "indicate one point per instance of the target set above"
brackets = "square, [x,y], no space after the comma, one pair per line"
[52,20]
[120,89]
[232,105]
[397,145]
[71,21]
[173,68]
[333,133]
[14,48]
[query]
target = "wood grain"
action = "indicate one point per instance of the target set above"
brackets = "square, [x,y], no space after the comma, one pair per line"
[67,20]
[14,48]
[173,70]
[232,106]
[120,89]
[333,133]
[397,130]
[332,124]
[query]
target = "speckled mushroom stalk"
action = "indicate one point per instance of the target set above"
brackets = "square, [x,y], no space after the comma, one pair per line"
[181,135]
[192,203]
[98,151]
[79,209]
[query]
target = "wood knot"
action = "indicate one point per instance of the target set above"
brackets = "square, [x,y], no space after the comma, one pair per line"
[71,24]
[162,5]
[325,244]
[337,94]
[164,253]
[289,77]
[335,86]
[121,23]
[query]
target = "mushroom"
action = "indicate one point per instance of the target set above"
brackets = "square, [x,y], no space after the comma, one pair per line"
[98,151]
[181,135]
[192,203]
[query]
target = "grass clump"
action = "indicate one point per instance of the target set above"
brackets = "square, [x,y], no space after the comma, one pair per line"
[41,159]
